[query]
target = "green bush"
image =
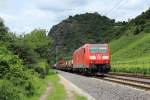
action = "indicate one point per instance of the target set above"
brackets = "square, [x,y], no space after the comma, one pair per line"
[4,69]
[42,68]
[17,74]
[8,91]
[24,51]
[29,88]
[41,71]
[138,29]
[12,70]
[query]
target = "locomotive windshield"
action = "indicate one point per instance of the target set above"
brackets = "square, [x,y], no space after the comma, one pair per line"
[98,50]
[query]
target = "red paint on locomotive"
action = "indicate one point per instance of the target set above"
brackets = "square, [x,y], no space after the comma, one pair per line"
[92,56]
[89,57]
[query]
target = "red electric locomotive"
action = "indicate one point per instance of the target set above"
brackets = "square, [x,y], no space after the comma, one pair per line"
[94,58]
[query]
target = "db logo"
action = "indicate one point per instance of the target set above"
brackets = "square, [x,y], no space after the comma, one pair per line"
[98,57]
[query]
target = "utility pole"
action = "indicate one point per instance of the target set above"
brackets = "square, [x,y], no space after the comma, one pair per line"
[56,51]
[55,48]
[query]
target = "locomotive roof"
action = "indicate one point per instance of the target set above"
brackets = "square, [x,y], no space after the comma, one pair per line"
[97,45]
[92,45]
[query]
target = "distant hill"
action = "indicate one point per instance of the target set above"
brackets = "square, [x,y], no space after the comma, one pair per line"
[77,30]
[134,44]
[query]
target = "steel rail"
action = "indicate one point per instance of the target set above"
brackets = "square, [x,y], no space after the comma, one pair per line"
[132,79]
[130,75]
[129,82]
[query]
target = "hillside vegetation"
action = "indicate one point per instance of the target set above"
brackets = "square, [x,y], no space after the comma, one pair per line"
[129,41]
[134,42]
[23,64]
[131,52]
[25,72]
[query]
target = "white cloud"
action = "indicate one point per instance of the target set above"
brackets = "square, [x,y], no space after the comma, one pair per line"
[7,17]
[135,2]
[25,15]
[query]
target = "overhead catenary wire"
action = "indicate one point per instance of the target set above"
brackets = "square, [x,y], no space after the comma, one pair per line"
[116,6]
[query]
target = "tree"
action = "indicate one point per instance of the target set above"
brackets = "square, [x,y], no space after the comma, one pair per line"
[3,31]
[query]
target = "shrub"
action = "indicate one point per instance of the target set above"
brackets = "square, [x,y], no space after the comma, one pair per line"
[8,91]
[12,70]
[24,51]
[138,29]
[29,88]
[42,68]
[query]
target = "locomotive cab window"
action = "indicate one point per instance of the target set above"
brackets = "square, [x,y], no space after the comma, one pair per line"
[98,50]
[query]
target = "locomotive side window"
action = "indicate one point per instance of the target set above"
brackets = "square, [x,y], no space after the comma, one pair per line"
[98,50]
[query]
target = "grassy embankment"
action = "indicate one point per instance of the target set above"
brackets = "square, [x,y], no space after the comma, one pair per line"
[131,54]
[57,91]
[78,97]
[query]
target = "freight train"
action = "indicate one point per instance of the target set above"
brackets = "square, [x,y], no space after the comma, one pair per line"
[90,58]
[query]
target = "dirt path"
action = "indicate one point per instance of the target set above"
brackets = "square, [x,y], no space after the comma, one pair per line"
[45,95]
[69,90]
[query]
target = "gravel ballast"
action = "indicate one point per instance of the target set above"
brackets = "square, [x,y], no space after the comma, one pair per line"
[104,90]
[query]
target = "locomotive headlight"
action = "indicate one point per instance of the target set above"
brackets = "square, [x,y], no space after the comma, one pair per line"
[105,57]
[92,57]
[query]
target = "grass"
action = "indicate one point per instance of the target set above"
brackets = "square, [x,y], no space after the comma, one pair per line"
[136,66]
[40,86]
[58,91]
[78,97]
[131,54]
[134,47]
[132,68]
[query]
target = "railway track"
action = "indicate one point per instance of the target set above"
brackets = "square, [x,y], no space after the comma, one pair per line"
[130,75]
[134,81]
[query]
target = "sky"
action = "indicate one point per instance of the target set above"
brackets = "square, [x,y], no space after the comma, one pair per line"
[22,16]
